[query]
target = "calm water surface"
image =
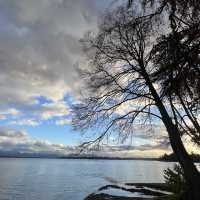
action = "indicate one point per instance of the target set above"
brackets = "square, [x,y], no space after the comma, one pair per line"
[65,179]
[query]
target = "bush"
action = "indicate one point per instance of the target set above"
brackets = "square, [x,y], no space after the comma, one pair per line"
[174,178]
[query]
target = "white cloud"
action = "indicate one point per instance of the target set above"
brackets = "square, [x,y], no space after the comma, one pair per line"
[9,111]
[12,133]
[62,122]
[26,122]
[2,117]
[50,110]
[20,141]
[12,111]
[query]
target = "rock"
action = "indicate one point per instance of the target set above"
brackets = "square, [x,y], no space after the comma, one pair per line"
[103,196]
[145,189]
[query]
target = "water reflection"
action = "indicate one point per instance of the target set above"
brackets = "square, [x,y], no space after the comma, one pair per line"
[53,179]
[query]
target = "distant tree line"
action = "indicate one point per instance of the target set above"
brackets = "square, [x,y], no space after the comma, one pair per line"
[173,158]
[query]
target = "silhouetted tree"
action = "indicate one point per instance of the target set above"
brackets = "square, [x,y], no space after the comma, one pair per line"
[127,67]
[177,63]
[177,59]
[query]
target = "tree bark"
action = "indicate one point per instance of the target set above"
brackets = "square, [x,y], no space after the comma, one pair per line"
[191,173]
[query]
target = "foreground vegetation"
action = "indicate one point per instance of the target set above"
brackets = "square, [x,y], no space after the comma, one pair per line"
[174,188]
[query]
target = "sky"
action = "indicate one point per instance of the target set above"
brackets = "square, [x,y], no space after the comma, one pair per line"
[39,52]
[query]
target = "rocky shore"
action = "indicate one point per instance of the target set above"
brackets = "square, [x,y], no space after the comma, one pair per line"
[130,191]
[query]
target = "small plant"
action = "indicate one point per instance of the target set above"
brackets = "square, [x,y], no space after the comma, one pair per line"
[174,179]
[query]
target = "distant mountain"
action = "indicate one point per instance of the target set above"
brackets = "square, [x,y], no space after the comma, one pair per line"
[14,154]
[104,157]
[172,157]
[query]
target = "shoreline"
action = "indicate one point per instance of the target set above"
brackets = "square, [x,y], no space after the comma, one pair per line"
[142,191]
[77,157]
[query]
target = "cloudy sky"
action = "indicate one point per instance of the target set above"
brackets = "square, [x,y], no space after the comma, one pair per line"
[38,54]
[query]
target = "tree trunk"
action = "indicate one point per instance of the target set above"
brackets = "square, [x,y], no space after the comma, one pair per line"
[191,173]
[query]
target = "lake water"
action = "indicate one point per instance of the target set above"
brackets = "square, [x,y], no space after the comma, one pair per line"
[67,179]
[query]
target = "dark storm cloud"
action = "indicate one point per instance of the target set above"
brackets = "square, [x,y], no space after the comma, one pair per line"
[39,47]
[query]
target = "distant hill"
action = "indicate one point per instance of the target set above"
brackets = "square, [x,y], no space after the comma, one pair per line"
[14,154]
[104,158]
[172,157]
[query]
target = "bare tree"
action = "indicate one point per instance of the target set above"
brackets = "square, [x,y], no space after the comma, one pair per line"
[121,72]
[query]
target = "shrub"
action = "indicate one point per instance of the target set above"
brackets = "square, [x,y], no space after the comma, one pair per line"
[174,178]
